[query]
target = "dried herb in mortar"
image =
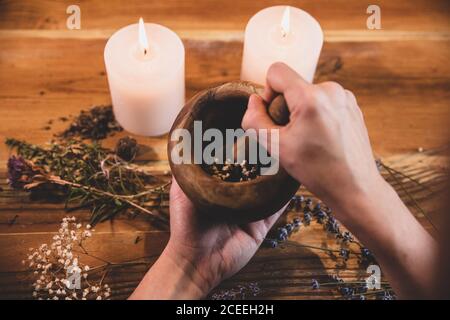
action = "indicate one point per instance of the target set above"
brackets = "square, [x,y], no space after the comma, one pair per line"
[233,172]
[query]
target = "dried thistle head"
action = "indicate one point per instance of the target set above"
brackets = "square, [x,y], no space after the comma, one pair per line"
[127,148]
[23,174]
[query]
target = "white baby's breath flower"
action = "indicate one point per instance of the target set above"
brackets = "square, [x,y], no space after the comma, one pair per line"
[59,258]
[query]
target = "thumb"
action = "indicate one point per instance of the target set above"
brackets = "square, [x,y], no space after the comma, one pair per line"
[179,203]
[256,116]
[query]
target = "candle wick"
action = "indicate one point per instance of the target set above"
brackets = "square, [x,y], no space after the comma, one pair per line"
[145,51]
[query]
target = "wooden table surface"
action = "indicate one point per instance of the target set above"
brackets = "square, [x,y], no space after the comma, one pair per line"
[400,75]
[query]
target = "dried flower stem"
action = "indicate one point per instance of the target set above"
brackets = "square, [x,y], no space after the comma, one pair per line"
[125,198]
[294,244]
[414,201]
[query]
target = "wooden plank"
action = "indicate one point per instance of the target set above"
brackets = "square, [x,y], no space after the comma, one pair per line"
[293,281]
[278,271]
[47,71]
[282,273]
[209,15]
[402,96]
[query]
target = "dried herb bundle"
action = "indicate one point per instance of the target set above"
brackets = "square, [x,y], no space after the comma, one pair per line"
[96,123]
[89,175]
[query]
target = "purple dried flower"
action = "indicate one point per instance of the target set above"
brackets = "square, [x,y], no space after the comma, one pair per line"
[297,222]
[346,291]
[22,173]
[344,253]
[240,293]
[315,284]
[272,243]
[19,172]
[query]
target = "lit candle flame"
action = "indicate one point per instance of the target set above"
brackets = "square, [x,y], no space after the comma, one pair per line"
[143,36]
[285,22]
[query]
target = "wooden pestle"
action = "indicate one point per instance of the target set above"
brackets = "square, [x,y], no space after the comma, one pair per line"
[278,110]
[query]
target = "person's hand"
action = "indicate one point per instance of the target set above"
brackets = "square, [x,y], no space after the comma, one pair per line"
[325,145]
[200,253]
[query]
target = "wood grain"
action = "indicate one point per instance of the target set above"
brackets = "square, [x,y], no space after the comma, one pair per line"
[400,75]
[401,95]
[405,15]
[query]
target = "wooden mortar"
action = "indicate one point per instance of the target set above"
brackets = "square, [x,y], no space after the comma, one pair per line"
[223,107]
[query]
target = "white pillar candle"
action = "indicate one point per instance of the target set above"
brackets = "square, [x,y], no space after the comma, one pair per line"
[145,67]
[281,34]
